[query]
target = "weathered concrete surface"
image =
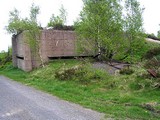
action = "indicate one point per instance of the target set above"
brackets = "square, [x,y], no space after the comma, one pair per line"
[19,102]
[21,53]
[52,43]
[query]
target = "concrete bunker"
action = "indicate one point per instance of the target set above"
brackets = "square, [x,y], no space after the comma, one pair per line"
[53,44]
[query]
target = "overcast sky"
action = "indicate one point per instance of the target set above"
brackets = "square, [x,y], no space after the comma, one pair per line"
[47,7]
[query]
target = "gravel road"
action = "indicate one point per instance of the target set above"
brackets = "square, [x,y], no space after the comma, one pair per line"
[20,102]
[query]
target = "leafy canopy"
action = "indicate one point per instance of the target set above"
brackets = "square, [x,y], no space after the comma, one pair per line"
[59,20]
[101,23]
[16,24]
[133,28]
[30,26]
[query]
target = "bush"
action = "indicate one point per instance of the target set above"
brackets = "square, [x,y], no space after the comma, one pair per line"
[69,73]
[152,36]
[63,27]
[126,71]
[80,73]
[151,53]
[144,81]
[152,64]
[5,57]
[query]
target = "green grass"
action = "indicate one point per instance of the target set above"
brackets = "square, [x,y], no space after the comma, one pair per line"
[119,97]
[138,51]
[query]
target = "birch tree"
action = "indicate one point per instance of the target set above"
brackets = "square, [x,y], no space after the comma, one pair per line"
[33,33]
[100,24]
[32,28]
[59,20]
[15,23]
[134,27]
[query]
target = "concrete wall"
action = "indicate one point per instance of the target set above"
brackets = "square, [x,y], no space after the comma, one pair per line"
[58,43]
[53,43]
[21,53]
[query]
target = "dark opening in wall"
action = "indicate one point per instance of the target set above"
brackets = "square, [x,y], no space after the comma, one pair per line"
[68,57]
[19,57]
[62,57]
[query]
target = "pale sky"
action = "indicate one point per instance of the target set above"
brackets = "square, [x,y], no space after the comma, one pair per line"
[47,7]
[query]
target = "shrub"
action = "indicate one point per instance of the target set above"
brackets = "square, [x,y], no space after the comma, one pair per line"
[151,53]
[63,27]
[152,64]
[126,71]
[5,57]
[149,78]
[68,73]
[80,73]
[152,36]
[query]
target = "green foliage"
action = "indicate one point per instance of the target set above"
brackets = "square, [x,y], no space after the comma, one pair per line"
[133,18]
[101,29]
[133,27]
[59,20]
[63,14]
[158,34]
[68,73]
[32,32]
[141,80]
[138,50]
[152,36]
[30,26]
[141,84]
[34,11]
[55,20]
[16,24]
[126,71]
[79,73]
[5,58]
[100,26]
[152,53]
[153,63]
